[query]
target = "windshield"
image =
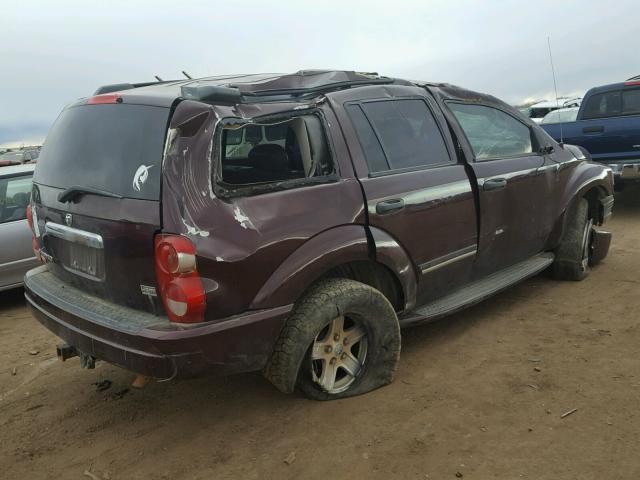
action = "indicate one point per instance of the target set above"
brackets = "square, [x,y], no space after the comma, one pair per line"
[115,148]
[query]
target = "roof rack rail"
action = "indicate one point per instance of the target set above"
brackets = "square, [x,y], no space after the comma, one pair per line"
[116,87]
[637,77]
[232,93]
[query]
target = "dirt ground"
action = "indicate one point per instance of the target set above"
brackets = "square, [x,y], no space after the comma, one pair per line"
[479,395]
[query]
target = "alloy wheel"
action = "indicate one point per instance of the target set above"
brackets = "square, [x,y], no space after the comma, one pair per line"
[338,354]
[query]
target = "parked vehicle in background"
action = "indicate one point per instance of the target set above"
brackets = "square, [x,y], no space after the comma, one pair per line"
[537,111]
[17,157]
[561,115]
[16,252]
[608,127]
[302,220]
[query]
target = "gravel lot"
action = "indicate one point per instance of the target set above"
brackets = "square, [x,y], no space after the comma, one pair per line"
[479,395]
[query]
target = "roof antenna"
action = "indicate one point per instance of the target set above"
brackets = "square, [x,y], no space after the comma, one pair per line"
[158,78]
[187,75]
[555,88]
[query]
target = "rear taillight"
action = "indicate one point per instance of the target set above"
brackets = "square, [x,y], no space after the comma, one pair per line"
[34,241]
[180,286]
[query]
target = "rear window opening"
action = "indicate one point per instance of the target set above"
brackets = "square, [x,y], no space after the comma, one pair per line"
[281,150]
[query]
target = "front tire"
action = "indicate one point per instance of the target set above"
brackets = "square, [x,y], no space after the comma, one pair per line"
[342,339]
[573,255]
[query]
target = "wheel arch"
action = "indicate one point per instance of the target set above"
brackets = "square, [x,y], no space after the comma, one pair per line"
[590,181]
[370,256]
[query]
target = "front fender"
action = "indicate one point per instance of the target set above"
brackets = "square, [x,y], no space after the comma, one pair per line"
[581,179]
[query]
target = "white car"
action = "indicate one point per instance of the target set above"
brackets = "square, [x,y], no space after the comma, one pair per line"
[16,252]
[537,111]
[561,116]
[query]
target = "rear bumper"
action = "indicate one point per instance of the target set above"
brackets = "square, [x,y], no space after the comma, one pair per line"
[148,344]
[625,171]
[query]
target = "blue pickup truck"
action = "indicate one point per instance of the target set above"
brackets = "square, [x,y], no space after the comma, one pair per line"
[608,127]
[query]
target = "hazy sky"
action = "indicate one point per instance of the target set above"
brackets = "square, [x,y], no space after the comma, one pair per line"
[52,52]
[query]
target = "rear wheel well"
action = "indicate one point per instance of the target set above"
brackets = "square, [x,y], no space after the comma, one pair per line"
[373,274]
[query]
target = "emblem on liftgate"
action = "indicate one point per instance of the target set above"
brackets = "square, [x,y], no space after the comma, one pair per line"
[68,219]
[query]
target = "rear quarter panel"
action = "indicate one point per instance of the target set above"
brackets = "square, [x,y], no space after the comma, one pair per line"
[242,241]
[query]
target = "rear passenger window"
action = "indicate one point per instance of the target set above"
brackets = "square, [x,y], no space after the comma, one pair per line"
[288,149]
[492,133]
[631,102]
[607,104]
[398,134]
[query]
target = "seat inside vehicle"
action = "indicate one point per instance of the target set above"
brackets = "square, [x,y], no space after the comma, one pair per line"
[288,149]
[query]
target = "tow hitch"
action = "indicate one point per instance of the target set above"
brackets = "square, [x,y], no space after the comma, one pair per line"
[65,352]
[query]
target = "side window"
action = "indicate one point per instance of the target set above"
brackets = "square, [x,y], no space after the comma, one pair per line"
[492,133]
[14,198]
[607,104]
[287,149]
[631,102]
[398,134]
[370,145]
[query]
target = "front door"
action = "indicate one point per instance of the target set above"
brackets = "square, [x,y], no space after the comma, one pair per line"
[415,189]
[514,192]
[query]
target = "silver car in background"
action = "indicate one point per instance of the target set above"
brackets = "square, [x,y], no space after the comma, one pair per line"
[16,252]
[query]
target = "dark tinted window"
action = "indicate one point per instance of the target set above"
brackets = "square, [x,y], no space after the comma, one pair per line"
[631,102]
[607,104]
[14,198]
[370,145]
[408,133]
[117,148]
[492,133]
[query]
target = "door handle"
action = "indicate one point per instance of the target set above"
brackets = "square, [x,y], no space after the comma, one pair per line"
[596,129]
[388,206]
[494,184]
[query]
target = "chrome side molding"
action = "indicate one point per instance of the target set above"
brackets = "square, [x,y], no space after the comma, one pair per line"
[448,259]
[73,235]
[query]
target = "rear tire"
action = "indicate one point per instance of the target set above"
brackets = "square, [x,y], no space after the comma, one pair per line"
[573,255]
[342,339]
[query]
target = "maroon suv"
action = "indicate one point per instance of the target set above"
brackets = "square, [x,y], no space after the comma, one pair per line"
[293,223]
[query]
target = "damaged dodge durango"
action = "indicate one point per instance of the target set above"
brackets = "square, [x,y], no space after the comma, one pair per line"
[293,224]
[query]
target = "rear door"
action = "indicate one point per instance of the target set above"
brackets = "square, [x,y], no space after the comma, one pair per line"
[16,254]
[97,198]
[514,192]
[414,187]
